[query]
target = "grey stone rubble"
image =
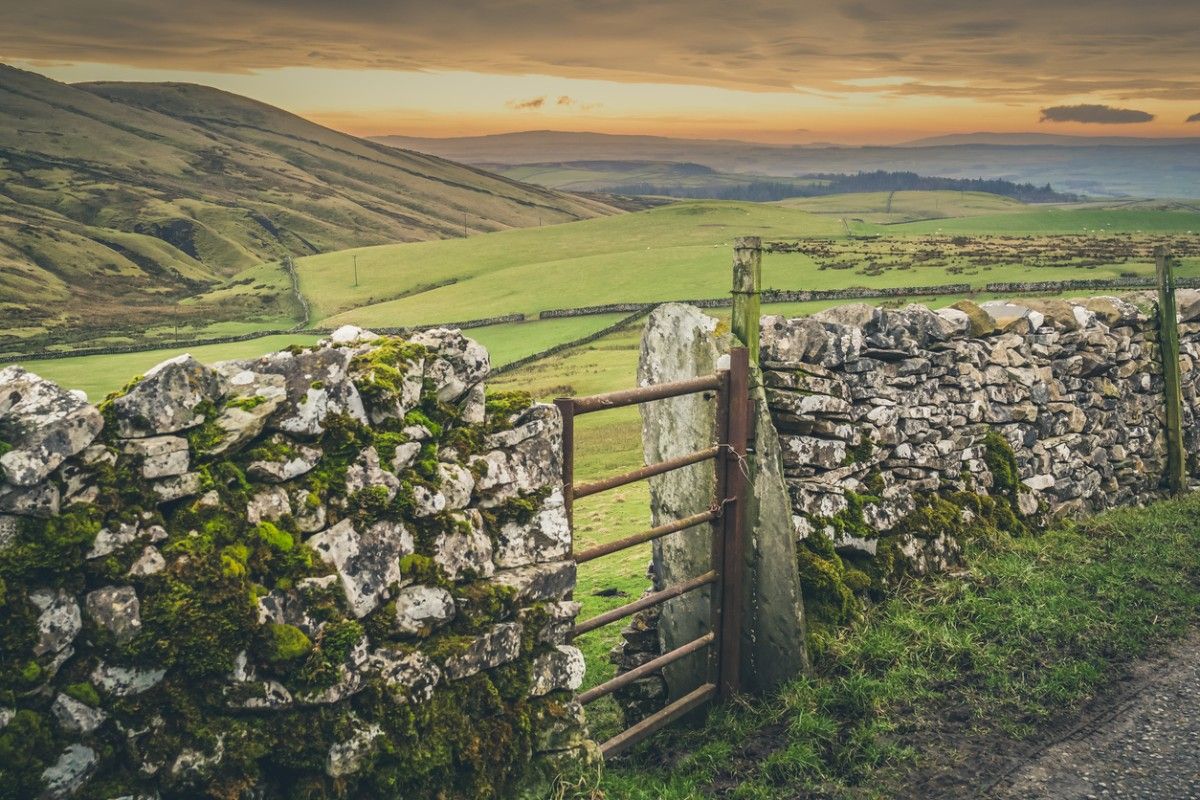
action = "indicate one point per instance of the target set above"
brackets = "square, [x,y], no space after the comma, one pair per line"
[183,415]
[903,399]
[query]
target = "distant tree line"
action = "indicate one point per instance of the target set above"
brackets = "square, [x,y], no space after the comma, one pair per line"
[819,184]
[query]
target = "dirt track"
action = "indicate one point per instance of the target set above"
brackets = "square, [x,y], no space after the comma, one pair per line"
[1144,744]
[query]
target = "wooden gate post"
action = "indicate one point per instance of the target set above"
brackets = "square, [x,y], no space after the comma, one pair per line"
[747,287]
[1168,338]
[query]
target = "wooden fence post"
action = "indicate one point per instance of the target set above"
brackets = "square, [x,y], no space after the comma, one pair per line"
[1168,338]
[747,287]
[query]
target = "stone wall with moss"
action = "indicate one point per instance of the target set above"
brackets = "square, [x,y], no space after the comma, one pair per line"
[906,432]
[340,571]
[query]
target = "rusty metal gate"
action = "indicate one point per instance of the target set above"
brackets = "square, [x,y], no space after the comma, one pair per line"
[726,513]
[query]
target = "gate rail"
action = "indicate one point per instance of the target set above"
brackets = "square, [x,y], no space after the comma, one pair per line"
[723,641]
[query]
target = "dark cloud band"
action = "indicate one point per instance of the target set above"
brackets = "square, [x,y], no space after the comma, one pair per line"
[1041,48]
[1096,114]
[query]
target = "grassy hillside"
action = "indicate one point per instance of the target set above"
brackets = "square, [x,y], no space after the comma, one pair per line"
[683,251]
[893,207]
[116,200]
[670,252]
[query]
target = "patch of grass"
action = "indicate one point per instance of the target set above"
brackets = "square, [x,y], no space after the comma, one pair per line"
[1036,625]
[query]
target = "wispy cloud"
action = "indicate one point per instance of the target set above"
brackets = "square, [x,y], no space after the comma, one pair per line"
[1097,114]
[564,100]
[1193,118]
[526,105]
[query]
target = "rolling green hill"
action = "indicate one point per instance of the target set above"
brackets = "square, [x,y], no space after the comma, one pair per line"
[892,207]
[117,200]
[683,251]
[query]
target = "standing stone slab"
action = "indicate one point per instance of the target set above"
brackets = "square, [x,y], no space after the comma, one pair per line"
[678,343]
[773,640]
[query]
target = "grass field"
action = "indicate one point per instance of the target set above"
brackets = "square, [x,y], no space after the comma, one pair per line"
[669,252]
[946,668]
[682,251]
[100,374]
[893,207]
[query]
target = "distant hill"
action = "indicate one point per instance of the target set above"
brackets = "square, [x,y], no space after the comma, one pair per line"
[1109,167]
[118,199]
[1066,140]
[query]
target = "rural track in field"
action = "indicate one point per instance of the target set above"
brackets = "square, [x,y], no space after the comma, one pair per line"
[1142,743]
[1139,737]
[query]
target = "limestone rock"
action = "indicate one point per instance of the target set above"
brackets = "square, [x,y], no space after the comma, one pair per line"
[10,528]
[500,645]
[547,537]
[316,383]
[242,419]
[458,365]
[465,551]
[43,424]
[352,677]
[150,562]
[70,772]
[169,398]
[351,334]
[559,726]
[539,582]
[109,540]
[346,758]
[117,610]
[405,455]
[981,323]
[367,563]
[126,681]
[58,623]
[193,766]
[177,487]
[40,500]
[455,483]
[366,473]
[559,668]
[308,511]
[523,460]
[160,456]
[299,460]
[420,609]
[268,504]
[410,676]
[76,717]
[427,502]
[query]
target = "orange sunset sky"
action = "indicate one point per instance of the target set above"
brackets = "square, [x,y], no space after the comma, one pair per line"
[861,71]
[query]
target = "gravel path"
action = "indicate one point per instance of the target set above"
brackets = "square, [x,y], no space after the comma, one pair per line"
[1145,745]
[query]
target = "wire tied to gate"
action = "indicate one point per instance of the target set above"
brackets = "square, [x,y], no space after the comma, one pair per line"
[743,464]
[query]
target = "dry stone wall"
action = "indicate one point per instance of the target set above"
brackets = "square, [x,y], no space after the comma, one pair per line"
[338,571]
[904,432]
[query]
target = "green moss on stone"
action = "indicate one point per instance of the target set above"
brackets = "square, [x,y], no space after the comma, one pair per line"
[84,692]
[285,643]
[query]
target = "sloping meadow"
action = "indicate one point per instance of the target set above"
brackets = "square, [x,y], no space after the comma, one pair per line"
[336,571]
